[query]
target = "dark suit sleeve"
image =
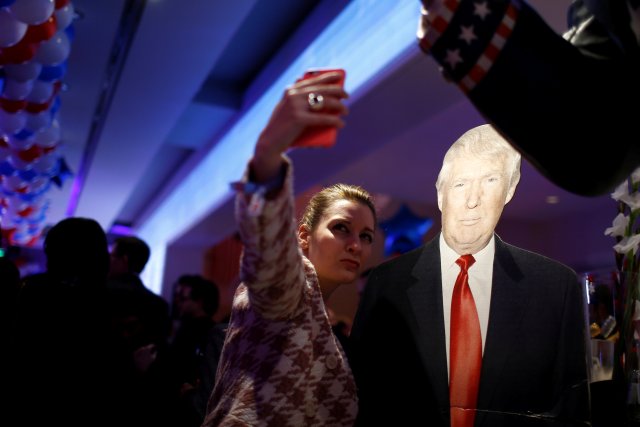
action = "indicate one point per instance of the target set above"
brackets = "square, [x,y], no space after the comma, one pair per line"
[566,105]
[571,386]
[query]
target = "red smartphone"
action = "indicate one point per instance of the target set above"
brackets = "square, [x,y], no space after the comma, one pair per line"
[319,136]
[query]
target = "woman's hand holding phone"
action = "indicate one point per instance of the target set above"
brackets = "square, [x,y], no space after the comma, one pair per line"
[297,121]
[320,136]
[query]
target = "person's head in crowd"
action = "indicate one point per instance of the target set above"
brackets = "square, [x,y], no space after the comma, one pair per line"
[601,304]
[194,296]
[9,272]
[336,234]
[129,255]
[9,283]
[479,175]
[77,251]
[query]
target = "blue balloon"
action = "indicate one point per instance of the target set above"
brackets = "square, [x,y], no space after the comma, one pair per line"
[36,220]
[404,231]
[53,72]
[55,106]
[23,134]
[5,3]
[6,169]
[27,175]
[71,32]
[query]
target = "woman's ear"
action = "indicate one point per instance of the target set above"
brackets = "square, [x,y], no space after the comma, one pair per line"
[303,237]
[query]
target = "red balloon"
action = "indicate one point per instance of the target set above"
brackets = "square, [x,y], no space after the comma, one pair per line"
[41,32]
[8,233]
[61,3]
[26,212]
[20,52]
[4,141]
[32,153]
[13,105]
[32,242]
[34,108]
[22,189]
[48,150]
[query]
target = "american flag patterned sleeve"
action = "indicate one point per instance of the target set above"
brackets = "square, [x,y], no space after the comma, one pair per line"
[466,37]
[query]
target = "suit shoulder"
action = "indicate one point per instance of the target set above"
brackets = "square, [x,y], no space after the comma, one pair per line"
[529,260]
[404,262]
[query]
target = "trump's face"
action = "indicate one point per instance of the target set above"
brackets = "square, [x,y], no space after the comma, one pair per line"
[471,199]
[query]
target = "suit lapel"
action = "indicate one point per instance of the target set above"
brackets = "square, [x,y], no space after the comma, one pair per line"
[505,314]
[425,298]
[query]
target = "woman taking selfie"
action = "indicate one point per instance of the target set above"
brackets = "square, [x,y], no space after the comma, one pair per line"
[281,364]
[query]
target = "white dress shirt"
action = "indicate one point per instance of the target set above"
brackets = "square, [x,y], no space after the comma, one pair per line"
[480,276]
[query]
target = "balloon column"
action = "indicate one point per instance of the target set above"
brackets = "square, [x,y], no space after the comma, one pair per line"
[35,40]
[404,231]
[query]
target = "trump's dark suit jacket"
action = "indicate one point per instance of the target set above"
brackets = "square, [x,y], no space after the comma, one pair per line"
[534,366]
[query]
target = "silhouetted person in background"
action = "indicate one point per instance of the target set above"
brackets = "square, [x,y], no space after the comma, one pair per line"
[604,325]
[146,313]
[140,319]
[67,368]
[195,346]
[9,291]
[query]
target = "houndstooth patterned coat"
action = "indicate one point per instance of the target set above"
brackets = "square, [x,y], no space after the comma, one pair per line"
[281,365]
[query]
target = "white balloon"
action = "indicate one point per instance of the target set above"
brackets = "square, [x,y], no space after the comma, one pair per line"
[7,222]
[21,238]
[33,12]
[39,203]
[11,123]
[38,184]
[64,16]
[41,92]
[45,164]
[11,29]
[38,121]
[15,161]
[15,205]
[48,137]
[55,50]
[13,183]
[23,72]
[20,144]
[16,90]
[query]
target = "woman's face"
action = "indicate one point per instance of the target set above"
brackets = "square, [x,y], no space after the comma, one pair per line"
[341,243]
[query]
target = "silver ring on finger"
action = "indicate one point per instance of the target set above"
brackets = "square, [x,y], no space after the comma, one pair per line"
[316,101]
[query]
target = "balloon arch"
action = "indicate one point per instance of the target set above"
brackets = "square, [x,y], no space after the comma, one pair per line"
[35,41]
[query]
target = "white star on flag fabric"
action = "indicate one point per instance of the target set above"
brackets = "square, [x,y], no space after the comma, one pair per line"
[453,58]
[481,9]
[467,34]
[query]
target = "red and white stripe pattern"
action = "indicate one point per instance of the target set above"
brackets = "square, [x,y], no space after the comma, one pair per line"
[488,57]
[466,36]
[437,23]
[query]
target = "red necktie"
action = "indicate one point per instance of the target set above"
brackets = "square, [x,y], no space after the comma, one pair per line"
[465,351]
